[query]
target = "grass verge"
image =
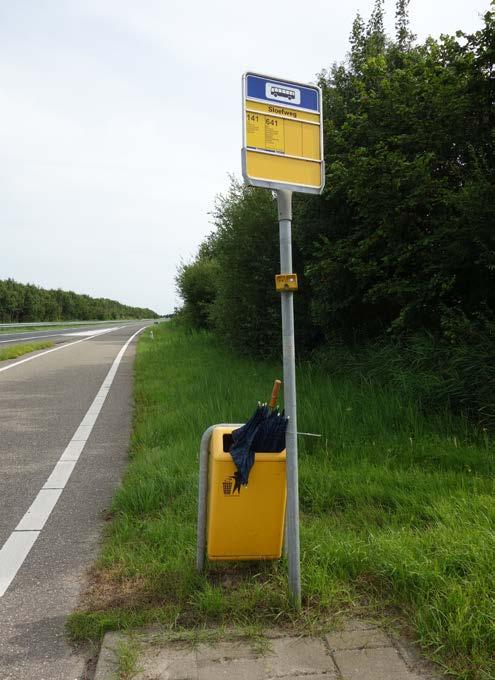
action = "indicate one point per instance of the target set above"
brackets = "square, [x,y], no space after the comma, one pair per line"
[397,509]
[14,351]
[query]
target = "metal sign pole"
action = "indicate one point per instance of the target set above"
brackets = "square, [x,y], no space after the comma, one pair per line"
[284,199]
[281,156]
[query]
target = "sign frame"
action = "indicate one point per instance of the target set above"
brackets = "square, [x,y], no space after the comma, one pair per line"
[271,184]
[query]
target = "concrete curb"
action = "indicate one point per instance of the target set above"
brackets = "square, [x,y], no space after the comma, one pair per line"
[107,660]
[360,651]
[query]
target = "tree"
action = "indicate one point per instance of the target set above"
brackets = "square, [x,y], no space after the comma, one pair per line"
[403,35]
[197,286]
[246,308]
[21,302]
[401,240]
[402,237]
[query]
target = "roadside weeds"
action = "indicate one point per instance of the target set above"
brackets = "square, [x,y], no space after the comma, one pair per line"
[397,511]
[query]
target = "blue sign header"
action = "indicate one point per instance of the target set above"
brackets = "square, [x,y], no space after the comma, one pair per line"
[291,94]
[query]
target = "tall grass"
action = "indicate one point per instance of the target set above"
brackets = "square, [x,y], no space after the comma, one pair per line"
[14,351]
[434,374]
[397,507]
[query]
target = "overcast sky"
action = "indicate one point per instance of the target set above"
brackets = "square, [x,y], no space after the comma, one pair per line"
[121,120]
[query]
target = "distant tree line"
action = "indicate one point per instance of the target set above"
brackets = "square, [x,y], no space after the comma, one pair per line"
[401,242]
[21,302]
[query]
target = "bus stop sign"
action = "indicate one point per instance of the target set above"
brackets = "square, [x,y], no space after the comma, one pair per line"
[282,134]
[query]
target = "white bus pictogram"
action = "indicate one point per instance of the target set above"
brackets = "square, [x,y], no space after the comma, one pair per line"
[280,93]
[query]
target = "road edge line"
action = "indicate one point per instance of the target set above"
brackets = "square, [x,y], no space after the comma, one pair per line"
[54,349]
[16,548]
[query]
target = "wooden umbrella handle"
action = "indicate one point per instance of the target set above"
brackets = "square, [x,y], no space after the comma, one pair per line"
[275,391]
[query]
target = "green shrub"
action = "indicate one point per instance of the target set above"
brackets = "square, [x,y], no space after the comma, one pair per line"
[197,285]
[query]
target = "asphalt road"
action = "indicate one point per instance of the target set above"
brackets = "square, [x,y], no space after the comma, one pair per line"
[44,404]
[55,334]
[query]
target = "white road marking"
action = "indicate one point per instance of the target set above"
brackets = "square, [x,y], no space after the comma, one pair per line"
[15,550]
[73,450]
[60,475]
[36,516]
[85,333]
[52,335]
[22,539]
[54,349]
[83,432]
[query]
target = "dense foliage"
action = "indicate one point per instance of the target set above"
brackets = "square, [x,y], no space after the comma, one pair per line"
[400,243]
[402,238]
[25,302]
[230,285]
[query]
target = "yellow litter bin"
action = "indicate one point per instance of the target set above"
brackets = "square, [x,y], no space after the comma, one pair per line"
[244,522]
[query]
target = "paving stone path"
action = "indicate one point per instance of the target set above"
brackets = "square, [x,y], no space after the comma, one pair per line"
[361,651]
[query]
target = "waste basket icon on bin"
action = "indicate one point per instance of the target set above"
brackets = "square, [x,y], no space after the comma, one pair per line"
[227,485]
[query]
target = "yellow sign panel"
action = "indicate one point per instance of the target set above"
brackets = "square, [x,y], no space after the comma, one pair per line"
[265,132]
[275,110]
[284,282]
[286,136]
[282,146]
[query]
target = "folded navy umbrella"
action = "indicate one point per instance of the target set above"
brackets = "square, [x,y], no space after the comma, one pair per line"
[263,432]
